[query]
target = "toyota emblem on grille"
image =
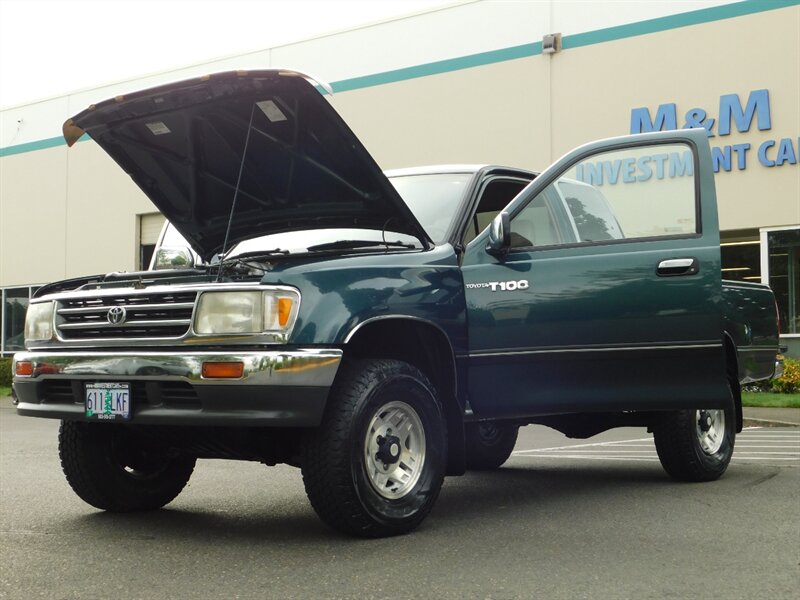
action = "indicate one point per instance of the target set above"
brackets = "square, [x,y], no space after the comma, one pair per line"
[116,315]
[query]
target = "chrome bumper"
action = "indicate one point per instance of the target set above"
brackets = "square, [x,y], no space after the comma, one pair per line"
[287,387]
[301,367]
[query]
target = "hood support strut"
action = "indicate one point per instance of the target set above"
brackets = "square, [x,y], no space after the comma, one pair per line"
[238,184]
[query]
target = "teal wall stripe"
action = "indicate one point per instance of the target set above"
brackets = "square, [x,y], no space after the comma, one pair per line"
[31,146]
[38,145]
[696,17]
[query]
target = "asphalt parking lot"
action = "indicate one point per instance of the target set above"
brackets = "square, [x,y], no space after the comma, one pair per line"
[564,518]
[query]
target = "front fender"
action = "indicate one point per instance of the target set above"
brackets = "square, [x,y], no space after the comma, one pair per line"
[340,294]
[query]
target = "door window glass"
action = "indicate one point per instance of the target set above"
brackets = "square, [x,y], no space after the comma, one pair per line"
[590,211]
[538,224]
[632,193]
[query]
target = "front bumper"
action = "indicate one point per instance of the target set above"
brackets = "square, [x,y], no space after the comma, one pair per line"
[287,387]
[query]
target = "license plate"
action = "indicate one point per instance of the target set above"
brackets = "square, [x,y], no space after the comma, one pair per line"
[108,401]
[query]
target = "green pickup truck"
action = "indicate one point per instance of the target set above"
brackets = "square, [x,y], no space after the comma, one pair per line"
[381,332]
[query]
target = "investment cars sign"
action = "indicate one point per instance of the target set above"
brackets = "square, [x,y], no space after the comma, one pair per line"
[733,114]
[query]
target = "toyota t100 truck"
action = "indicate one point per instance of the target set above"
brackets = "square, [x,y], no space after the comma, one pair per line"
[380,332]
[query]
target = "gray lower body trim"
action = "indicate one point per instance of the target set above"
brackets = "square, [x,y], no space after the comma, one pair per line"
[563,350]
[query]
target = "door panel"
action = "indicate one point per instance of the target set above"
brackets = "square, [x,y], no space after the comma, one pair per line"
[577,316]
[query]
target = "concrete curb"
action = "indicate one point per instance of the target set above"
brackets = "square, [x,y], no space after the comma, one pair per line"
[766,423]
[770,417]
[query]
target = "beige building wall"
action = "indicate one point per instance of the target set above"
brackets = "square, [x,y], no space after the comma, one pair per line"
[496,114]
[67,213]
[103,205]
[33,216]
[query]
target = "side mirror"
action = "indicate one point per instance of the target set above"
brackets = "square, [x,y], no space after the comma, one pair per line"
[173,258]
[500,234]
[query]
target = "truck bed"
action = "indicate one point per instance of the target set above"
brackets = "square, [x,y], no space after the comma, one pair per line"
[749,319]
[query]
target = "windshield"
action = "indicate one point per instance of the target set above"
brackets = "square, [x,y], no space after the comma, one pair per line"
[433,198]
[173,238]
[299,242]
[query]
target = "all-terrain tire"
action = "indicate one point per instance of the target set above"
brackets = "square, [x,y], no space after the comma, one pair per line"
[111,470]
[375,465]
[696,445]
[488,444]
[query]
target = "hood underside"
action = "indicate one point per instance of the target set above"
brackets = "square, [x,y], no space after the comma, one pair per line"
[268,134]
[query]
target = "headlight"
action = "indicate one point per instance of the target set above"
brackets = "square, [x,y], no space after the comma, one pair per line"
[248,312]
[39,322]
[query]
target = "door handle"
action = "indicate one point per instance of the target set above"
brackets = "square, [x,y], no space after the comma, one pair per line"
[675,267]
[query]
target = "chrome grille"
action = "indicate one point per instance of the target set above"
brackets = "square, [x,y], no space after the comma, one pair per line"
[162,315]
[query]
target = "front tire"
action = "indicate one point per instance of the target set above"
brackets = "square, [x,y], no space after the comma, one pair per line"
[696,445]
[111,469]
[375,465]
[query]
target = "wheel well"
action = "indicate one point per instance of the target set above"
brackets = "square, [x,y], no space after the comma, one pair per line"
[426,347]
[732,370]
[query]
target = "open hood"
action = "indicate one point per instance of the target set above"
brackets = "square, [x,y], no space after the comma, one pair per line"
[272,134]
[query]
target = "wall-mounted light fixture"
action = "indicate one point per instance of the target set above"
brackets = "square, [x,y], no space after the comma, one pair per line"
[551,43]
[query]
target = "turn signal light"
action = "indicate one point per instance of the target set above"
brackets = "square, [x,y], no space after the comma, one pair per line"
[24,368]
[223,370]
[284,310]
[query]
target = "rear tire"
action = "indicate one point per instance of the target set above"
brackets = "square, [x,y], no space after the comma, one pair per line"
[375,465]
[112,470]
[489,444]
[696,445]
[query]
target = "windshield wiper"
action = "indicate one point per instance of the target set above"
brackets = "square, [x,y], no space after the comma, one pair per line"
[355,244]
[247,262]
[256,254]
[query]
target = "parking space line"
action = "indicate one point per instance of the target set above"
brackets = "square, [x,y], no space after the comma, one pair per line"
[762,458]
[604,451]
[579,446]
[752,444]
[795,446]
[760,452]
[588,457]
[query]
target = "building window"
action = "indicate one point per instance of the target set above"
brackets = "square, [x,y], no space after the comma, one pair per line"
[12,318]
[149,228]
[145,255]
[741,260]
[780,264]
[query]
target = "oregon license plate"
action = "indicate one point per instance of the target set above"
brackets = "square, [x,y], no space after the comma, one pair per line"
[108,401]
